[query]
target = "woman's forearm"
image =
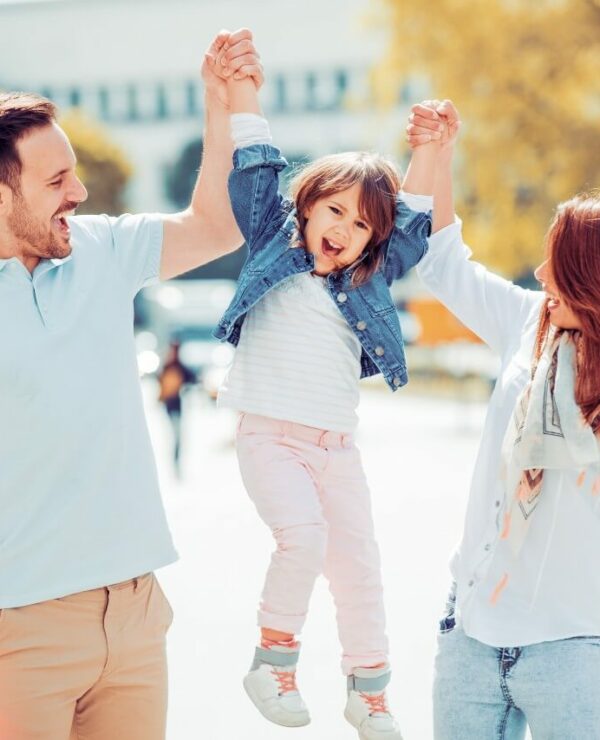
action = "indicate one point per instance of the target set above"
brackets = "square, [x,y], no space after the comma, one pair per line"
[443,195]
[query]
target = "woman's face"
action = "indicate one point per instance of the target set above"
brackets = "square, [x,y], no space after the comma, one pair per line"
[561,315]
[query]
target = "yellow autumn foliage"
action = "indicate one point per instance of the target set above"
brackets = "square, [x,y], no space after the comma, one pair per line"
[525,76]
[101,165]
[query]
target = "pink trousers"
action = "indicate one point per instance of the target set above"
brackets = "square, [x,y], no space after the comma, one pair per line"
[309,488]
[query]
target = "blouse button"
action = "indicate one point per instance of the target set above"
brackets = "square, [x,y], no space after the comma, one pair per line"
[379,351]
[361,326]
[342,297]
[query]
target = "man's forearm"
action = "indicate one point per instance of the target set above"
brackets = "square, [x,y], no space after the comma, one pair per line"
[207,229]
[210,198]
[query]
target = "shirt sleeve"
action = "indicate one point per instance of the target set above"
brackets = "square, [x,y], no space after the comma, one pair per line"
[407,244]
[248,129]
[494,308]
[254,189]
[137,247]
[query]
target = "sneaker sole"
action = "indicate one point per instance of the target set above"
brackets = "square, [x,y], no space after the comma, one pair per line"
[361,734]
[300,722]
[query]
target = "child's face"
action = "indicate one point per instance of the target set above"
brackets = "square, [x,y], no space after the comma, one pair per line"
[335,233]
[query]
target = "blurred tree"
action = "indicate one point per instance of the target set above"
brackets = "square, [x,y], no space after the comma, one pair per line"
[181,177]
[524,76]
[101,165]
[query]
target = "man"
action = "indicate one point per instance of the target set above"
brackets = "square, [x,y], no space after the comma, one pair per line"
[82,618]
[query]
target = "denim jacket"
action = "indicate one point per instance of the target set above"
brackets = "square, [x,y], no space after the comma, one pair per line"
[268,223]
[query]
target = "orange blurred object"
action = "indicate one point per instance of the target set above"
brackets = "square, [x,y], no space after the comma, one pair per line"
[438,325]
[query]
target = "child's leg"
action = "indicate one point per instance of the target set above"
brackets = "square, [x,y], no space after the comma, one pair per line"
[279,482]
[352,563]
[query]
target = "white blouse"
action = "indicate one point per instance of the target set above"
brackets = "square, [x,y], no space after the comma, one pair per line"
[551,590]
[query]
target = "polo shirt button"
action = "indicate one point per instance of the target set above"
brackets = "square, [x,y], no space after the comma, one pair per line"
[488,547]
[361,326]
[342,297]
[379,351]
[497,504]
[471,583]
[396,382]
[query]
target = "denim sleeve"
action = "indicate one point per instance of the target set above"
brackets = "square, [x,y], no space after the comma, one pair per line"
[407,244]
[254,189]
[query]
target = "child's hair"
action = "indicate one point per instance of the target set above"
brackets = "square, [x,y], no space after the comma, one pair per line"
[573,250]
[379,184]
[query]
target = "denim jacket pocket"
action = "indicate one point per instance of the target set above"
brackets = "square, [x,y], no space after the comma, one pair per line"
[376,295]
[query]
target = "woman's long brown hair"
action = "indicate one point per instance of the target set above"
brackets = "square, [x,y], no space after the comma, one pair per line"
[573,249]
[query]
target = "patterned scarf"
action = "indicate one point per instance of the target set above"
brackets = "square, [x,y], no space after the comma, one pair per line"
[547,431]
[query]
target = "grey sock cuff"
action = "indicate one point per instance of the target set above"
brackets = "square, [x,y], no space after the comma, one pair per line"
[273,657]
[378,683]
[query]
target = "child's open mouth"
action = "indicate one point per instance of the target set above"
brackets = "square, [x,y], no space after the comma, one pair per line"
[330,249]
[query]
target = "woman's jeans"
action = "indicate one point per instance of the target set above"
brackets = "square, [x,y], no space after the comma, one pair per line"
[487,693]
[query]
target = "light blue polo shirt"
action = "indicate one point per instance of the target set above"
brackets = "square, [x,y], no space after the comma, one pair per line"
[80,505]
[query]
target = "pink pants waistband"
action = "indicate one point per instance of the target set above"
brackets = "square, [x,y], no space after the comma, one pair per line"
[252,423]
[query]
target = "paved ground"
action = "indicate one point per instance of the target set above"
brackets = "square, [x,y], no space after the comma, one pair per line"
[418,453]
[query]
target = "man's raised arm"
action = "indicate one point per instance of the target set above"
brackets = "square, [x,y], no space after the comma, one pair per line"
[207,229]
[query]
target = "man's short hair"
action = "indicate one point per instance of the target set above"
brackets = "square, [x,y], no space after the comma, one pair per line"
[19,113]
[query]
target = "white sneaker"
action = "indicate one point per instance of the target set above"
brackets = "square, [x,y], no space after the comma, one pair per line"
[366,708]
[271,685]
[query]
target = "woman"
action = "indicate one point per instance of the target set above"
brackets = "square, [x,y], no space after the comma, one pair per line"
[519,644]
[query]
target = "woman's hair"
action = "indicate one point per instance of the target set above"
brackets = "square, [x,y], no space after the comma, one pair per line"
[19,114]
[573,250]
[379,184]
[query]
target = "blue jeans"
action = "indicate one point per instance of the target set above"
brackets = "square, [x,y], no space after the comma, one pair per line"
[486,693]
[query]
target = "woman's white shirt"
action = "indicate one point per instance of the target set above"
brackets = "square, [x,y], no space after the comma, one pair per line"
[552,589]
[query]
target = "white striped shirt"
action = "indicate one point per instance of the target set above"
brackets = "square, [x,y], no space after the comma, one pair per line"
[297,359]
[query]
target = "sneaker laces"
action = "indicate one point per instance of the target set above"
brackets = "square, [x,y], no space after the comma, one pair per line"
[375,702]
[286,681]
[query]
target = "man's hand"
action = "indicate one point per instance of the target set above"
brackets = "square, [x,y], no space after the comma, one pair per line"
[433,120]
[231,55]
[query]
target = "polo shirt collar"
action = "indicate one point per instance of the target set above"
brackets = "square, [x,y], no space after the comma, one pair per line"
[51,262]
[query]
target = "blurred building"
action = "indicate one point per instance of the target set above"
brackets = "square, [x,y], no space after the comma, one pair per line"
[134,65]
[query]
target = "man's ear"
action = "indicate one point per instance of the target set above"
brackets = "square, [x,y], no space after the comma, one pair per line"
[6,199]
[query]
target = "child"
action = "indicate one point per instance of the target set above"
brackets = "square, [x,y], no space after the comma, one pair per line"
[311,316]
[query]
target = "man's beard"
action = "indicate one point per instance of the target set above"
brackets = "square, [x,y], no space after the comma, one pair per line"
[40,238]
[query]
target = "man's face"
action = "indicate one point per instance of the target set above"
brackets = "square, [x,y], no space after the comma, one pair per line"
[335,232]
[50,191]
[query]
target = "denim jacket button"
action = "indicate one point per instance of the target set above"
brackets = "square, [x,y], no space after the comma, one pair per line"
[342,297]
[379,351]
[361,326]
[396,381]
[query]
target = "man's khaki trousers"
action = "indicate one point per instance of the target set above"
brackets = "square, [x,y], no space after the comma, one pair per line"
[90,666]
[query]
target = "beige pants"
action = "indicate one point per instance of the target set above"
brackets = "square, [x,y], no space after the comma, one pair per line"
[91,666]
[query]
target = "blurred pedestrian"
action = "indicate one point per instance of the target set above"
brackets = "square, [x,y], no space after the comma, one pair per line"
[313,313]
[173,378]
[83,619]
[519,643]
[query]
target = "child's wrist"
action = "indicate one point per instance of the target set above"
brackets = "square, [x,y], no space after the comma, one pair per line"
[445,157]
